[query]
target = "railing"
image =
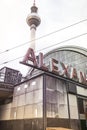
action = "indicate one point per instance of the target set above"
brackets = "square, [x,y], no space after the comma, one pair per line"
[6,87]
[2,75]
[10,78]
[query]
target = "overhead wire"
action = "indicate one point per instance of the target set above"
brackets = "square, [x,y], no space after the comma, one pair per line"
[48,47]
[11,60]
[83,34]
[84,20]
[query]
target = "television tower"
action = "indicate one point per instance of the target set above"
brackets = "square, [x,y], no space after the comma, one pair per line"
[33,20]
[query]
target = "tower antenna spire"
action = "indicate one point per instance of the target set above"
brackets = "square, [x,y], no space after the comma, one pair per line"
[34,3]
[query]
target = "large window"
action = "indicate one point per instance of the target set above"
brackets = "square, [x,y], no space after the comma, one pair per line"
[28,100]
[73,106]
[82,105]
[34,99]
[56,98]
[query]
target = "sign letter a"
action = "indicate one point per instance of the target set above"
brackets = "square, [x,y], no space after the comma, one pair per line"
[30,56]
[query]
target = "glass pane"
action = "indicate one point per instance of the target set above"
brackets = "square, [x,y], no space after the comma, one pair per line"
[33,111]
[21,100]
[73,106]
[20,112]
[56,98]
[34,98]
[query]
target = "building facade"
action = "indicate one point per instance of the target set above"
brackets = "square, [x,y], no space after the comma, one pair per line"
[48,99]
[54,93]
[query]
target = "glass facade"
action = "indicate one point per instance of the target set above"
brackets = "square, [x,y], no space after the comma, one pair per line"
[28,100]
[70,58]
[56,98]
[73,106]
[49,100]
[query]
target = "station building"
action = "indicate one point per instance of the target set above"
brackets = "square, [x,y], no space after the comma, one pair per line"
[47,99]
[53,94]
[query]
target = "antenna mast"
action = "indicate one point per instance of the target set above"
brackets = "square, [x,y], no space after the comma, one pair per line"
[34,3]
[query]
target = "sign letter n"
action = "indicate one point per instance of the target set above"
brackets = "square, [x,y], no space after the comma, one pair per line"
[30,56]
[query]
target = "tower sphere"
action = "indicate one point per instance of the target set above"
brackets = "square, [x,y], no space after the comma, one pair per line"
[33,18]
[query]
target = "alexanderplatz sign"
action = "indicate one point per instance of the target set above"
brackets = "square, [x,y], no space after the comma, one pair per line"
[66,71]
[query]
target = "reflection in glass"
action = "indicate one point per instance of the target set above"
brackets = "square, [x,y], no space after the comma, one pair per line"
[34,99]
[56,98]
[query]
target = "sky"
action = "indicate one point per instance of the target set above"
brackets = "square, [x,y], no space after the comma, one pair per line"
[54,14]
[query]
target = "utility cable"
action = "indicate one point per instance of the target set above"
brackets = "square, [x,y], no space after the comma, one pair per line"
[49,47]
[6,62]
[44,36]
[75,37]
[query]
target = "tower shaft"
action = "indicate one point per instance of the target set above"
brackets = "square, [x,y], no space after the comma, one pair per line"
[32,36]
